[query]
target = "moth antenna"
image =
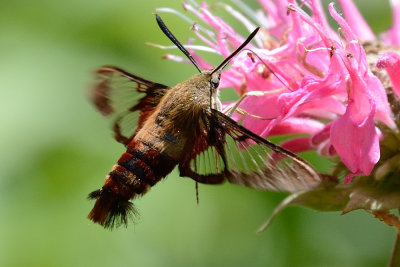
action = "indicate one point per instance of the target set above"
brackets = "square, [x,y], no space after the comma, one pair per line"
[234,53]
[169,34]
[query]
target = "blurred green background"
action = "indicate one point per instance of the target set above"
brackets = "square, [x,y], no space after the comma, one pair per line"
[55,149]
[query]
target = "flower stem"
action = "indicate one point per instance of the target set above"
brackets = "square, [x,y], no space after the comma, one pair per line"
[391,220]
[395,259]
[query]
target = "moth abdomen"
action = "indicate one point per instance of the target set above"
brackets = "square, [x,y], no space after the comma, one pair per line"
[134,174]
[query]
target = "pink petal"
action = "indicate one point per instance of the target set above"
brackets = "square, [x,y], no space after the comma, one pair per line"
[206,41]
[316,94]
[321,141]
[298,31]
[298,145]
[356,142]
[289,103]
[263,107]
[356,21]
[255,82]
[257,126]
[243,63]
[359,59]
[390,62]
[189,7]
[276,16]
[392,36]
[318,60]
[326,149]
[296,125]
[319,15]
[322,135]
[378,93]
[326,107]
[226,35]
[323,33]
[271,8]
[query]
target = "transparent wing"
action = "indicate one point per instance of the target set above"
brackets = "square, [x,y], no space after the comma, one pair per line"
[229,151]
[127,99]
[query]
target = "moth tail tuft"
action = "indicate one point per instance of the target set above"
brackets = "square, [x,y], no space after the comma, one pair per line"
[110,209]
[94,195]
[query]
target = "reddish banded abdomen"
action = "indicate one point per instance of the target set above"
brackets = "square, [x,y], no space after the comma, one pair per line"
[136,171]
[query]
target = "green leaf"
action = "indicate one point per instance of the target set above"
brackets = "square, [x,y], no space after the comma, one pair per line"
[369,194]
[362,193]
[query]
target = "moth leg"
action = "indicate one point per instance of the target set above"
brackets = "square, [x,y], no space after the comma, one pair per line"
[229,110]
[185,171]
[246,113]
[207,179]
[197,192]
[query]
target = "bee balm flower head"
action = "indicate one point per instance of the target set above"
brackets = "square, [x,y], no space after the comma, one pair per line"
[314,82]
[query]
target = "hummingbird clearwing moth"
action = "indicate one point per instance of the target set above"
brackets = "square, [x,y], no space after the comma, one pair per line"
[163,127]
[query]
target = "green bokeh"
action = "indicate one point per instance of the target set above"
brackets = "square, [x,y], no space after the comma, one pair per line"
[55,149]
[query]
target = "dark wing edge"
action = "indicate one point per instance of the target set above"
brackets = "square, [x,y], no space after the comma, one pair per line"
[225,150]
[112,80]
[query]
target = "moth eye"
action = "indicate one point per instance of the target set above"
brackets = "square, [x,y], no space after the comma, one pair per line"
[215,80]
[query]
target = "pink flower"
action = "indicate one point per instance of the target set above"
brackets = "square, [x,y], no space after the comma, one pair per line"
[317,83]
